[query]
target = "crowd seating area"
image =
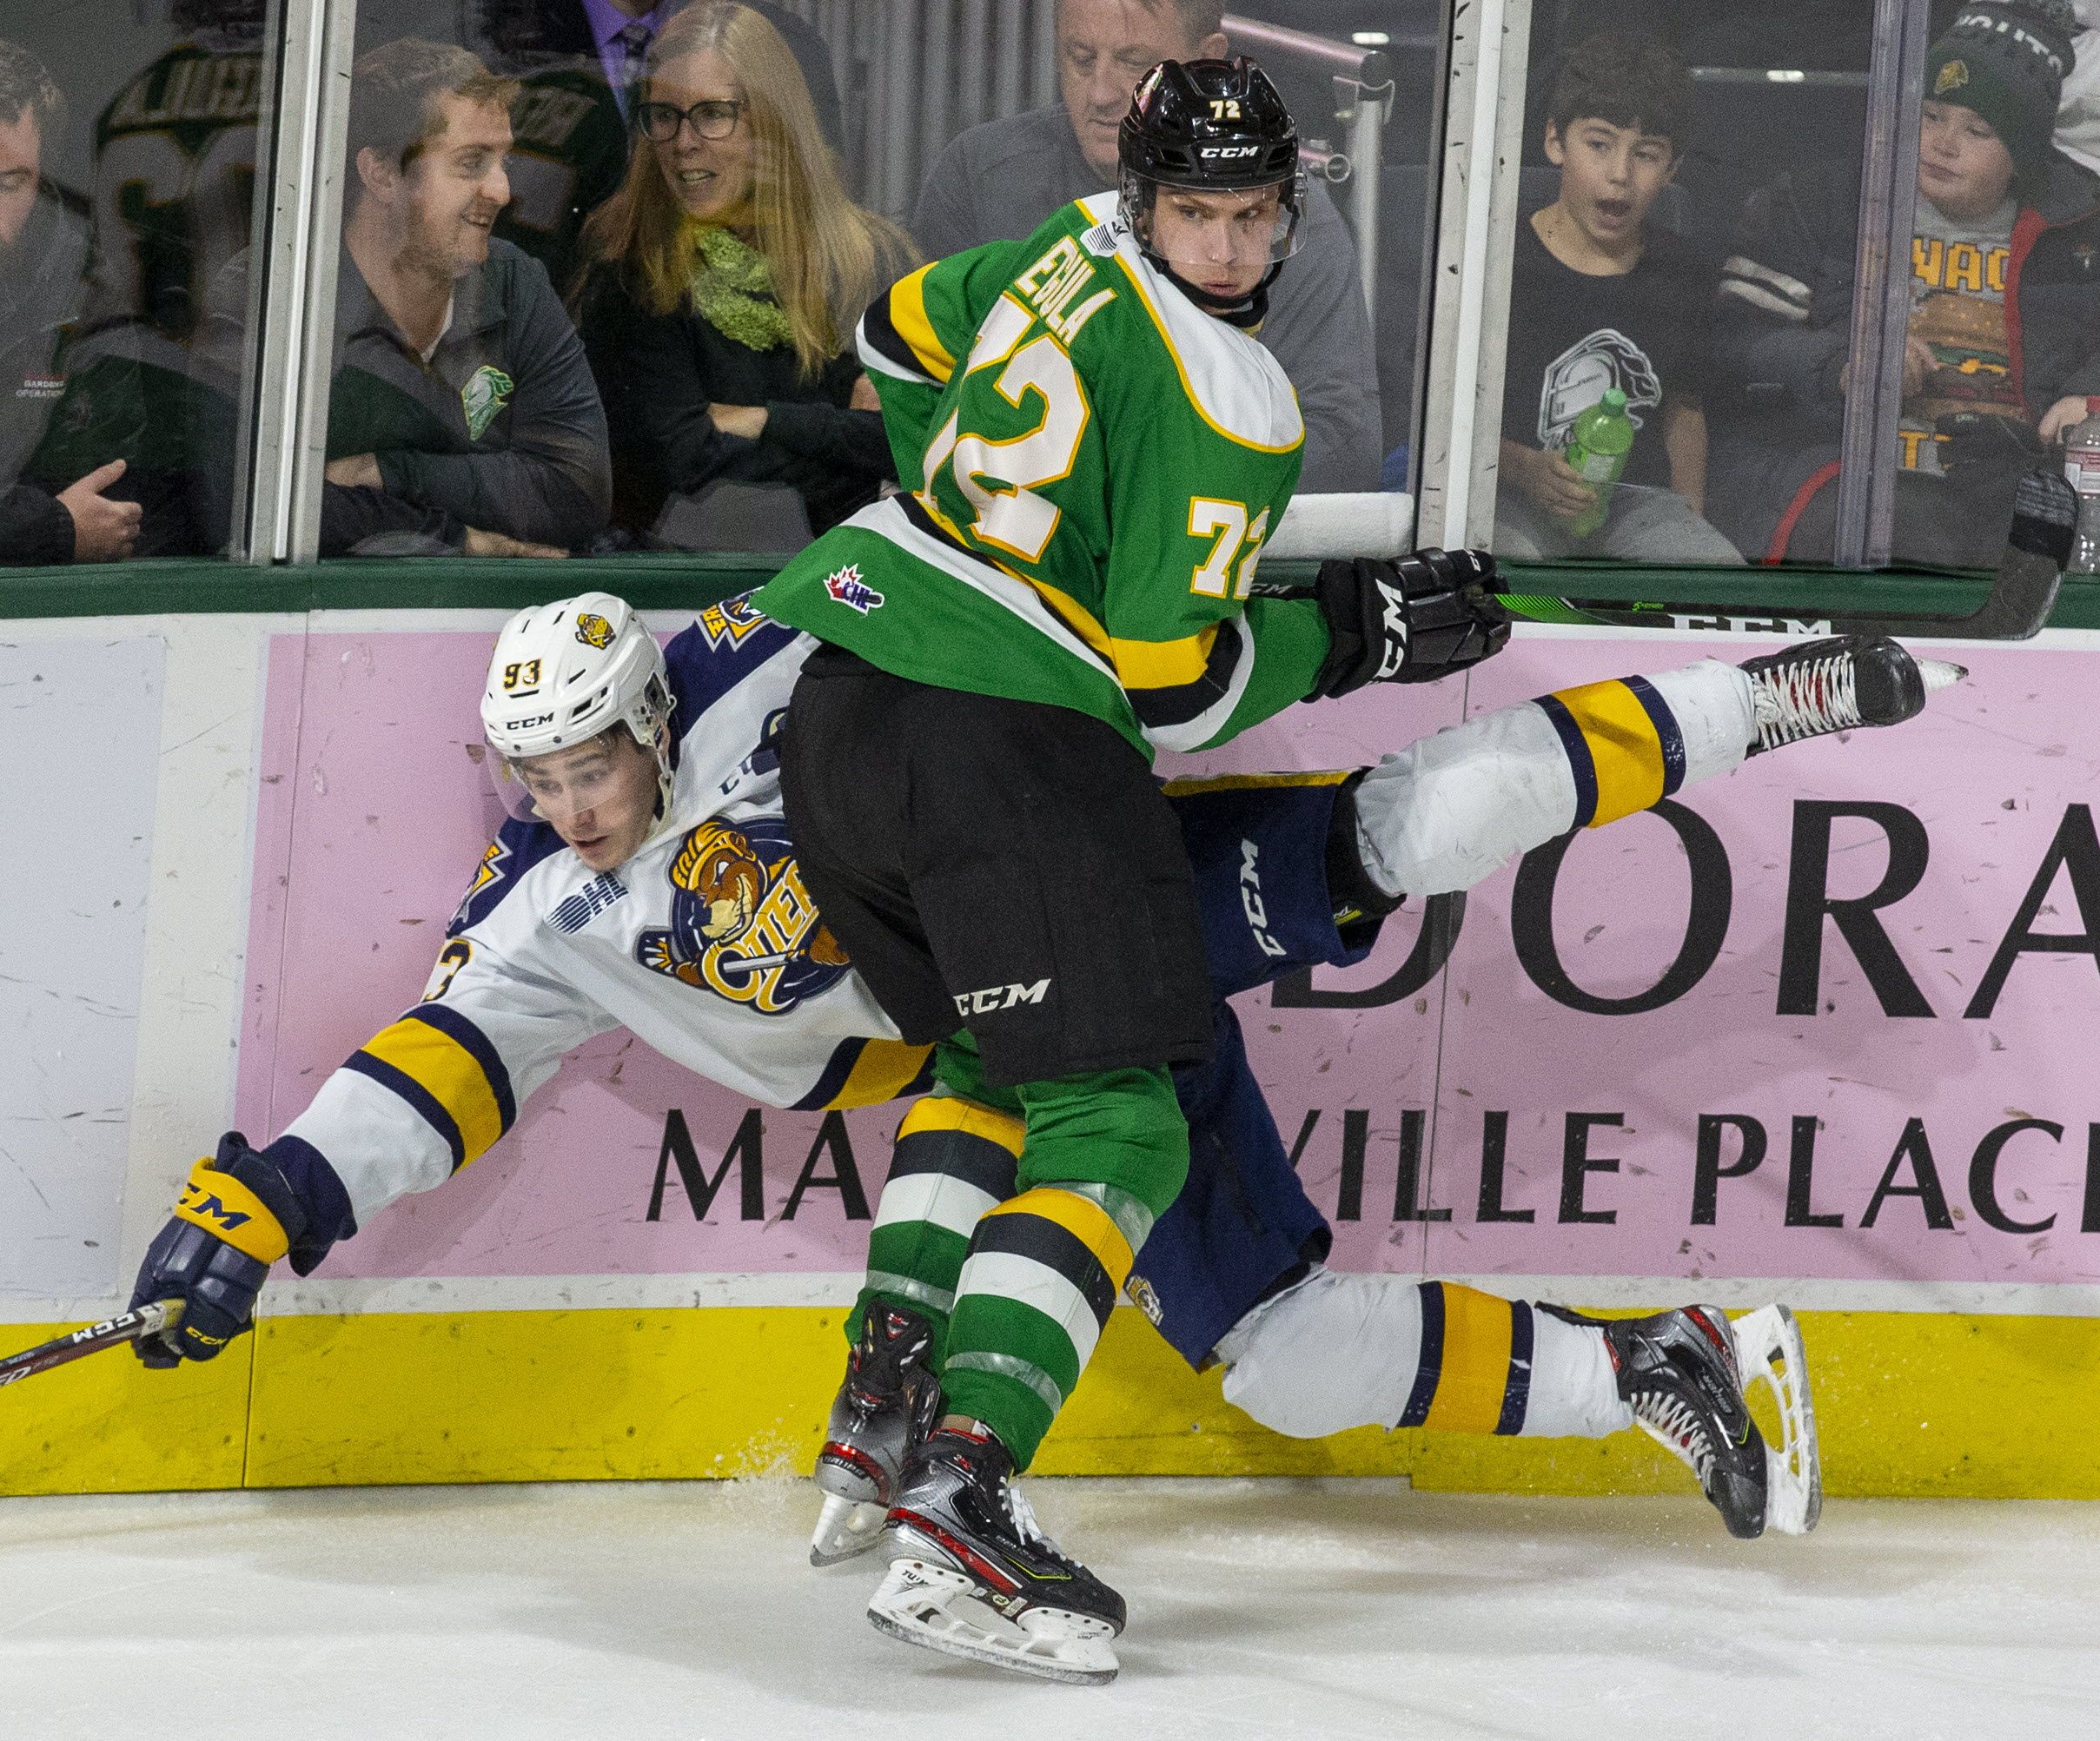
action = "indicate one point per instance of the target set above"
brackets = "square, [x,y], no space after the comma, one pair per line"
[601,263]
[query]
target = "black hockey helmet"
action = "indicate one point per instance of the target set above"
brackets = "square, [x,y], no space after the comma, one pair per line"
[1209,126]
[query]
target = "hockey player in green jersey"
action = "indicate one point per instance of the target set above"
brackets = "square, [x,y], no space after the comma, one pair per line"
[1101,448]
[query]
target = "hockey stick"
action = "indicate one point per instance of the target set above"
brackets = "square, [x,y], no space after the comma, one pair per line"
[126,1327]
[2023,593]
[2044,524]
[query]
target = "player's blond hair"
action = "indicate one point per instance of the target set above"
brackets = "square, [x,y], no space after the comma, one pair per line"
[828,257]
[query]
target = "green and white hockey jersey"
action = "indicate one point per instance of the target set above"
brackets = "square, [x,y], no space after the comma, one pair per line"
[174,180]
[1098,462]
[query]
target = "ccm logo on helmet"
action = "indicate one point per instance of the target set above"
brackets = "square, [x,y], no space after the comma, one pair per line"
[526,724]
[998,997]
[1226,153]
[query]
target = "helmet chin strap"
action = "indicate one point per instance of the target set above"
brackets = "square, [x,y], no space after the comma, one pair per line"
[1247,311]
[666,780]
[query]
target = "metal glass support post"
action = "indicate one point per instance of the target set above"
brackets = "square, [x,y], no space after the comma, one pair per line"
[1363,88]
[1881,295]
[1481,146]
[1370,106]
[297,308]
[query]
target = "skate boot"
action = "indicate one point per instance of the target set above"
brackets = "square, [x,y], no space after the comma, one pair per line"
[883,1410]
[1686,1375]
[972,1575]
[1839,683]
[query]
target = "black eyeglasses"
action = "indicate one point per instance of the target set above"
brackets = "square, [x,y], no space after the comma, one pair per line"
[713,117]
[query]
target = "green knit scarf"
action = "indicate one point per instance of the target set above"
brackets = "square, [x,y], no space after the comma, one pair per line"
[732,290]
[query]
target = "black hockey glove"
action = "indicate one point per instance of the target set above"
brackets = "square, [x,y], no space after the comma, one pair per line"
[1410,622]
[237,1215]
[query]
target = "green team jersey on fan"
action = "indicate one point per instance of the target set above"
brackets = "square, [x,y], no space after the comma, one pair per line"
[568,150]
[174,180]
[1098,463]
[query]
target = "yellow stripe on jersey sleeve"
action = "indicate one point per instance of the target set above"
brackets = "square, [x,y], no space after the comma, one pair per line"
[908,315]
[449,1074]
[1163,664]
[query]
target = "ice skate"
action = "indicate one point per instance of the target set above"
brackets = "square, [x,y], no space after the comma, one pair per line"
[883,1409]
[970,1574]
[1686,1375]
[1839,683]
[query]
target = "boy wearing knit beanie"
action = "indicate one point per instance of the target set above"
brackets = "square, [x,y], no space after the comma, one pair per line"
[1993,83]
[2002,341]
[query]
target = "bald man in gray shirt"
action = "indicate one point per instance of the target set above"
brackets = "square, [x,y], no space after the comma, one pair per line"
[998,181]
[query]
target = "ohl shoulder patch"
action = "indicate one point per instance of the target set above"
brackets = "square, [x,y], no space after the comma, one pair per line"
[487,391]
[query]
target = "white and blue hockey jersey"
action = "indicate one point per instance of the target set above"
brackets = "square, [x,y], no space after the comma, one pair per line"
[705,945]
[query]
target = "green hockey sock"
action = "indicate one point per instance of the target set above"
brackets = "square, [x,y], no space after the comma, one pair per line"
[1105,1154]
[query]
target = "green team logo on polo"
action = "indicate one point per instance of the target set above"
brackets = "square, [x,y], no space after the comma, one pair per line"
[487,391]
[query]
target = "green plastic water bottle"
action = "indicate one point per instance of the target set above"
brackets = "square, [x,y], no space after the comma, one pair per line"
[1597,448]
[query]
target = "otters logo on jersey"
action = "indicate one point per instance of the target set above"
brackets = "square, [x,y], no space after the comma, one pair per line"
[742,925]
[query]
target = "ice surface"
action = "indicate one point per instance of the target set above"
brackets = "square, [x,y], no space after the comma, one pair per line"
[1257,1608]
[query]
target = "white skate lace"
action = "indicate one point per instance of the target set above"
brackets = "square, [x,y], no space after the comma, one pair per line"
[1807,700]
[1678,1424]
[1023,1515]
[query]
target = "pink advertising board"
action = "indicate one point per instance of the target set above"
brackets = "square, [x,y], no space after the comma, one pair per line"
[1831,1017]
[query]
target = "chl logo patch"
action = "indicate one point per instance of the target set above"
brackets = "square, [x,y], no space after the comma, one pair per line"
[998,997]
[845,585]
[742,925]
[487,391]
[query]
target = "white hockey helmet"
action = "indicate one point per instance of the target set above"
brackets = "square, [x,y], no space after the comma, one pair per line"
[562,674]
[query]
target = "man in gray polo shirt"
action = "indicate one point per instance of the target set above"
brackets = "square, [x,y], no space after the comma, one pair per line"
[462,412]
[998,181]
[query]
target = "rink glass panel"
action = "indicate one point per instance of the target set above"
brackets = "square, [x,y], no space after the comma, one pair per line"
[155,178]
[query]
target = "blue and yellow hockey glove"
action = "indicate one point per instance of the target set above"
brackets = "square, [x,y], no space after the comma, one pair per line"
[237,1215]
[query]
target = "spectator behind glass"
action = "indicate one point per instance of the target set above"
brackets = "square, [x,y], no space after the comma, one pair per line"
[43,250]
[1600,298]
[461,414]
[173,195]
[2077,131]
[1000,181]
[724,283]
[1986,382]
[615,36]
[576,63]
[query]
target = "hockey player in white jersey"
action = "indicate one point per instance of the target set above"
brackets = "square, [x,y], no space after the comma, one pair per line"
[648,879]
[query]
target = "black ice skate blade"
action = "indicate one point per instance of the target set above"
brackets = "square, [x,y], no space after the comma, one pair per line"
[1038,1668]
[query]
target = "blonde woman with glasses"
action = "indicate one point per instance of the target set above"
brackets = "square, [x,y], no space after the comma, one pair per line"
[723,280]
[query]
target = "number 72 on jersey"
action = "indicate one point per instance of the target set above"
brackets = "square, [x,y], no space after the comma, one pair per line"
[1010,514]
